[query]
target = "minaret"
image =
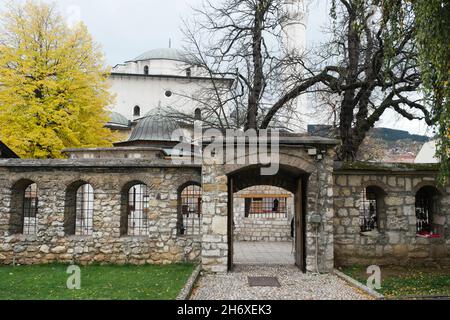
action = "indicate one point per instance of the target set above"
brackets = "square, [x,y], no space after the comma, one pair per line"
[295,19]
[294,26]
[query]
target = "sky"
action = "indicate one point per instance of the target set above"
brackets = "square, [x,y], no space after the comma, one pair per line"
[127,28]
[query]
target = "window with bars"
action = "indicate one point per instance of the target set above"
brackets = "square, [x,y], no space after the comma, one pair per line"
[24,208]
[190,211]
[84,210]
[30,207]
[137,210]
[427,205]
[266,207]
[369,210]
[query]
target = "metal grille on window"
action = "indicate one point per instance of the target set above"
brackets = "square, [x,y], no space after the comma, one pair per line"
[427,205]
[84,210]
[191,210]
[368,210]
[30,205]
[266,207]
[423,213]
[138,209]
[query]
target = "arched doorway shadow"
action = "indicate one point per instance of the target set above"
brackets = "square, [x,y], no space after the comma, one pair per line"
[289,178]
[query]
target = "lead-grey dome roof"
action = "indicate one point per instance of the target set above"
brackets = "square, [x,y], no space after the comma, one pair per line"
[165,54]
[118,119]
[155,126]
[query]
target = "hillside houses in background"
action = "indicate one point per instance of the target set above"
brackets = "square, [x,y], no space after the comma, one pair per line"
[382,144]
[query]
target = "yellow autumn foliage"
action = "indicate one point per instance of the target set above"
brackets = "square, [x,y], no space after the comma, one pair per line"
[53,83]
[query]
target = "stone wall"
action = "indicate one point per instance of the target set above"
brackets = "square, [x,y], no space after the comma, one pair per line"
[265,227]
[105,245]
[317,178]
[116,153]
[395,241]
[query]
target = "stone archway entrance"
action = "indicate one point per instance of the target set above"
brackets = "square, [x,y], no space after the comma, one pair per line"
[305,169]
[289,178]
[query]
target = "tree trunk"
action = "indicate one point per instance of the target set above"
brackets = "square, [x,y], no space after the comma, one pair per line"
[347,150]
[258,75]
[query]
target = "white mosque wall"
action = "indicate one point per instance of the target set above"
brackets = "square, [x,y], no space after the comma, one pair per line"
[149,92]
[158,67]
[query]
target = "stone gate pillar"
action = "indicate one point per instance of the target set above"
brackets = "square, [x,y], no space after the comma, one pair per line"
[215,217]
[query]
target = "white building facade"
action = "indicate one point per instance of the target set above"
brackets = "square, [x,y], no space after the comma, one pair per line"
[161,78]
[428,153]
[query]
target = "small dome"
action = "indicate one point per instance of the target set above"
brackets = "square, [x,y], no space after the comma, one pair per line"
[118,119]
[154,127]
[165,54]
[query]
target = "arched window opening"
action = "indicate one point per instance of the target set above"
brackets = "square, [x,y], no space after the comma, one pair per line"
[24,205]
[137,211]
[427,211]
[84,210]
[372,203]
[188,72]
[79,210]
[30,206]
[190,211]
[146,70]
[137,111]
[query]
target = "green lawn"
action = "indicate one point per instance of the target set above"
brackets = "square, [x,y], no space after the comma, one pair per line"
[48,282]
[405,282]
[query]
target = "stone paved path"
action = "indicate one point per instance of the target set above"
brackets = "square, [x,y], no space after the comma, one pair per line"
[295,285]
[263,253]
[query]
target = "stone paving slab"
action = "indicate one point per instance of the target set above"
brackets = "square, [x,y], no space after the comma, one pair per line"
[263,282]
[266,253]
[295,285]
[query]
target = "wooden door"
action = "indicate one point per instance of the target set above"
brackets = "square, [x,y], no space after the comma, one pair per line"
[230,224]
[299,228]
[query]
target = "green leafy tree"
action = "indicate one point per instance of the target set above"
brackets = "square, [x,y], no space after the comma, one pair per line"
[53,83]
[432,35]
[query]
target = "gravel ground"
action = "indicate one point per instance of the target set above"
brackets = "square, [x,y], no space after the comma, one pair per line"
[295,285]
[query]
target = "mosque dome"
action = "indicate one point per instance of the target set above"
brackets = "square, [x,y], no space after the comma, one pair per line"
[165,54]
[155,126]
[118,120]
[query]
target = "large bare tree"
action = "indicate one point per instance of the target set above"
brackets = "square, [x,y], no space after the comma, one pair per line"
[367,75]
[356,70]
[242,39]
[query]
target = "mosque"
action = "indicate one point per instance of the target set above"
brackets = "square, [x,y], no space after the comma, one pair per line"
[132,204]
[165,78]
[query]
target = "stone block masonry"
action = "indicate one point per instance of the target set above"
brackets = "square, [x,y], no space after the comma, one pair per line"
[162,244]
[268,227]
[335,197]
[395,240]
